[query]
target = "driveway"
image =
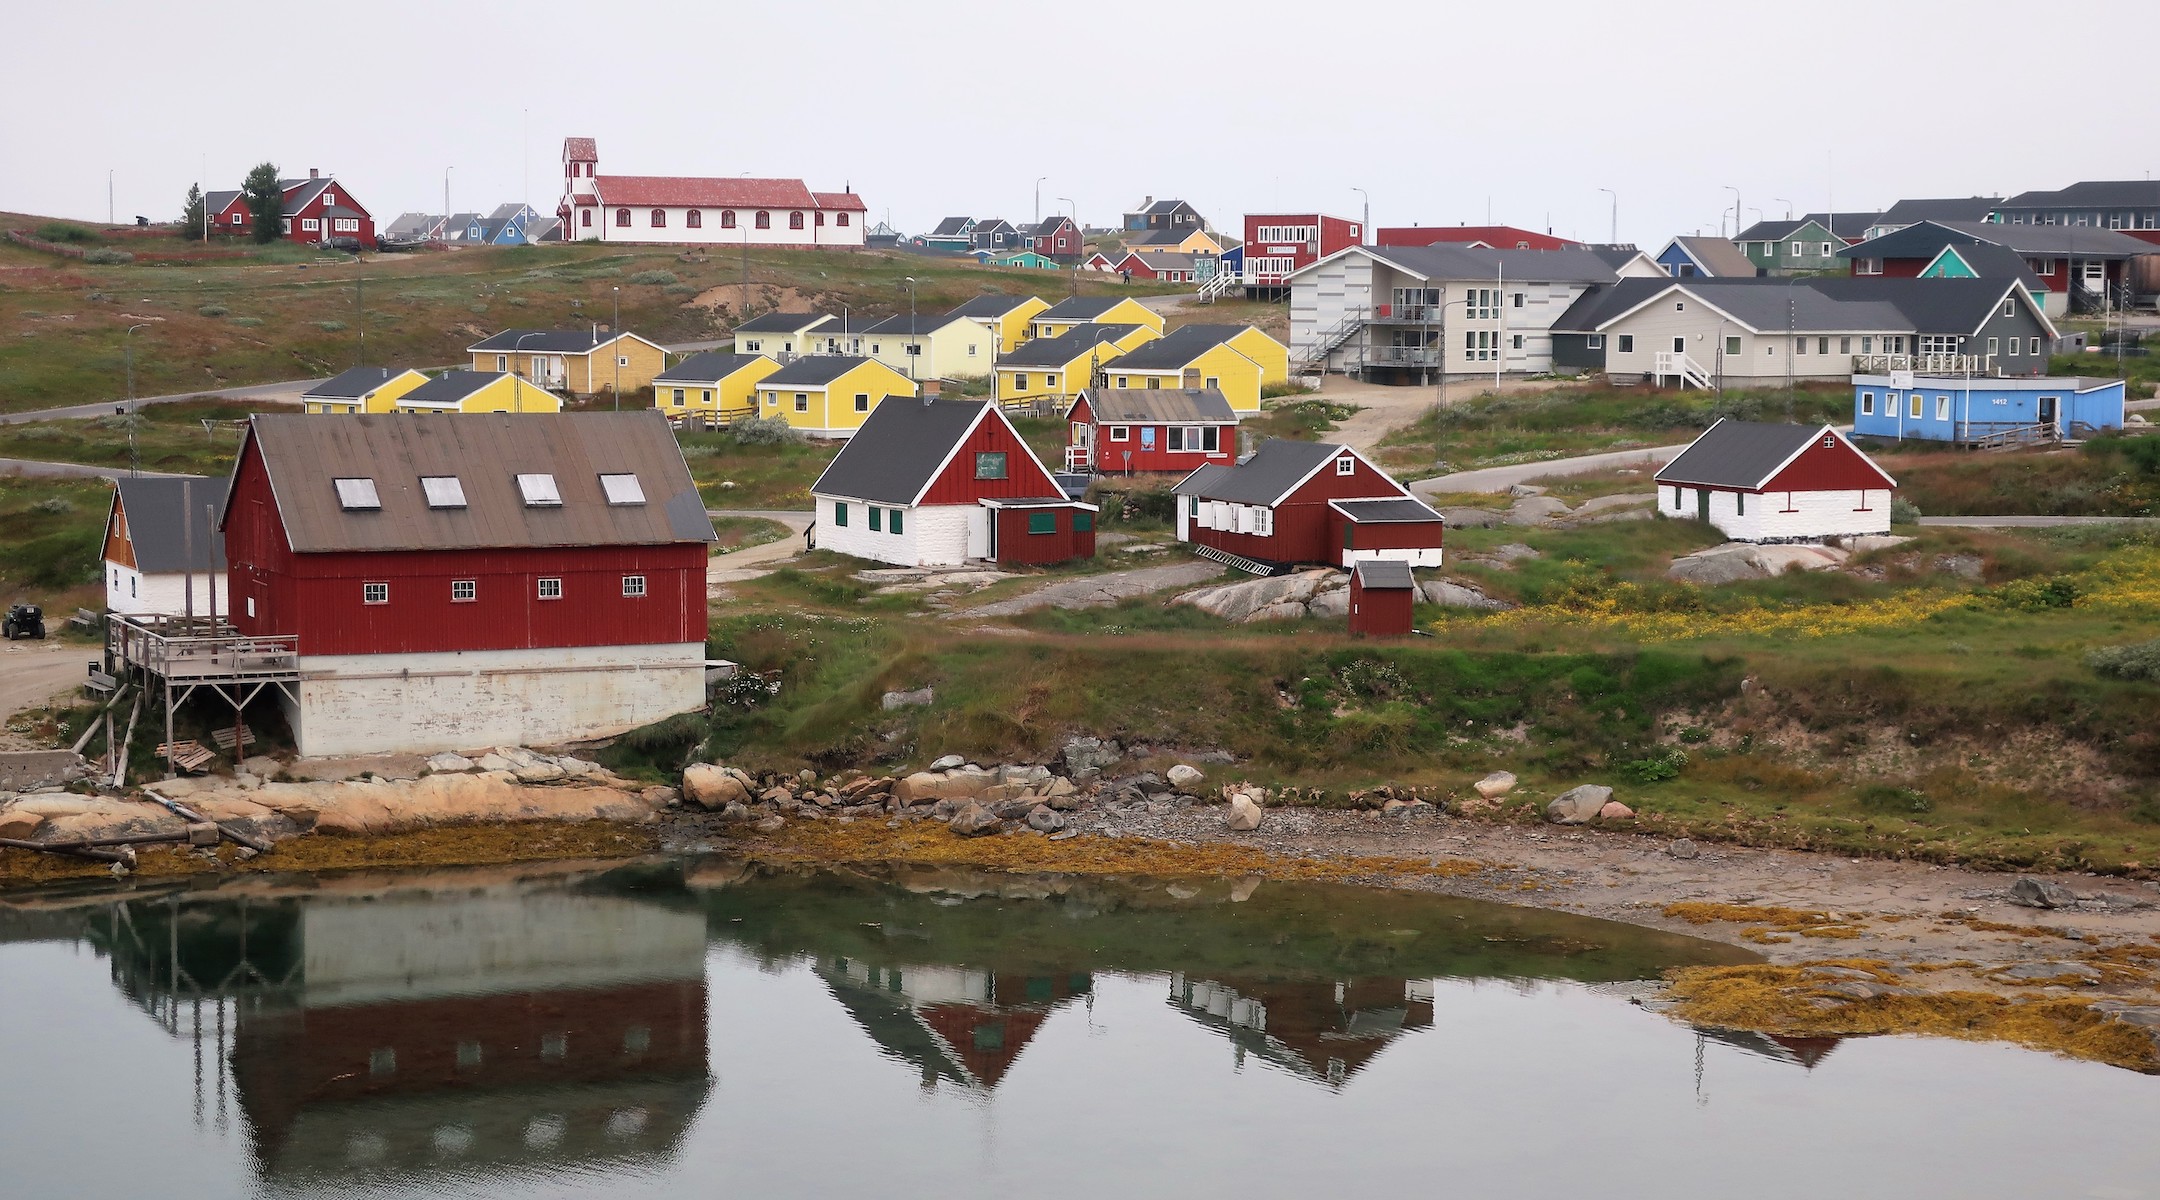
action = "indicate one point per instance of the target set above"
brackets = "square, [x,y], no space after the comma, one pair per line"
[756,562]
[287,392]
[1500,479]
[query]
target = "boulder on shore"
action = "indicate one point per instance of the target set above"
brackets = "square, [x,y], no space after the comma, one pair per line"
[1578,805]
[713,787]
[2041,893]
[1183,778]
[1245,814]
[1497,784]
[973,820]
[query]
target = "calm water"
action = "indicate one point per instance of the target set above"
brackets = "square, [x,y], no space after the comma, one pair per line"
[705,1030]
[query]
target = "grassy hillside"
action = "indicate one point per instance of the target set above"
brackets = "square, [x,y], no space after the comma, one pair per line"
[239,315]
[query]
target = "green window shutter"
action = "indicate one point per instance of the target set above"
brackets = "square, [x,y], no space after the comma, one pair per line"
[1739,504]
[1042,522]
[1083,521]
[894,523]
[839,514]
[875,514]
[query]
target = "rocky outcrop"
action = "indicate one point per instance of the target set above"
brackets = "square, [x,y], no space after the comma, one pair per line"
[1323,593]
[712,787]
[1449,594]
[1578,805]
[1735,561]
[1183,778]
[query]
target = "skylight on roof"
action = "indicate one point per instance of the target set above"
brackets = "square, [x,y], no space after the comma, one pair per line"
[357,495]
[539,491]
[622,489]
[443,491]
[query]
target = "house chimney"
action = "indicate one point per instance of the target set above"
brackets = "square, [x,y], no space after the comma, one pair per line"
[1146,200]
[312,173]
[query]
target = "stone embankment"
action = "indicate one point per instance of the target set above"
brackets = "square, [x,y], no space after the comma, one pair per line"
[504,784]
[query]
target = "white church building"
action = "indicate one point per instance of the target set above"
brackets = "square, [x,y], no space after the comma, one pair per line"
[684,210]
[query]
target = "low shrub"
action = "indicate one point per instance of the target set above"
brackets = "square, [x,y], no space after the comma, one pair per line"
[1904,512]
[764,431]
[2138,662]
[1658,768]
[654,278]
[247,322]
[331,326]
[106,256]
[1878,797]
[55,506]
[58,231]
[212,310]
[680,289]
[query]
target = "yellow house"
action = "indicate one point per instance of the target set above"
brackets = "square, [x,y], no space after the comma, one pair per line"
[1206,356]
[932,347]
[783,333]
[1006,316]
[1061,318]
[477,392]
[830,395]
[583,362]
[362,389]
[1059,368]
[715,385]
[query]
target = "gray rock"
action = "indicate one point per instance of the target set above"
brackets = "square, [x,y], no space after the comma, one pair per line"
[1245,814]
[973,820]
[2041,893]
[737,811]
[1684,848]
[1578,805]
[919,698]
[1460,595]
[1535,510]
[494,762]
[540,772]
[2036,972]
[1609,503]
[1086,757]
[1520,490]
[772,824]
[1964,566]
[1472,518]
[1330,605]
[578,768]
[1729,563]
[1044,819]
[447,763]
[948,762]
[712,787]
[1185,778]
[1027,777]
[261,764]
[1149,783]
[1497,784]
[2144,1016]
[1404,810]
[1263,599]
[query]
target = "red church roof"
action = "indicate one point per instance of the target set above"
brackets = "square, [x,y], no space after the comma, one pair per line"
[841,200]
[672,191]
[580,150]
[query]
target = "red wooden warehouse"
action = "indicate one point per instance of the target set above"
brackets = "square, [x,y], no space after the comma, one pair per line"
[472,580]
[1124,431]
[940,482]
[1382,598]
[1305,502]
[1277,244]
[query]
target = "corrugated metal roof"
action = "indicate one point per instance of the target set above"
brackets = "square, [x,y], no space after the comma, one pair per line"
[1737,454]
[707,366]
[898,450]
[487,451]
[814,370]
[160,510]
[1276,467]
[1168,405]
[1387,573]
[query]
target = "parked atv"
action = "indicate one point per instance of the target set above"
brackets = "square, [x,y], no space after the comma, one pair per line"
[24,621]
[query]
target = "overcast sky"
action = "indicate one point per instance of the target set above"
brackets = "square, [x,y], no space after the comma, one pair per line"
[1445,112]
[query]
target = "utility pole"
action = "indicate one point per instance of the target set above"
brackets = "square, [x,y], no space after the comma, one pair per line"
[1614,236]
[1038,198]
[109,217]
[615,351]
[1365,227]
[134,456]
[1735,211]
[446,204]
[360,302]
[909,283]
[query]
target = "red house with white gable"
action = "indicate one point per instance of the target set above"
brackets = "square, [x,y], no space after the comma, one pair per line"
[474,580]
[1760,481]
[936,483]
[1277,244]
[1055,237]
[1304,502]
[1126,431]
[318,209]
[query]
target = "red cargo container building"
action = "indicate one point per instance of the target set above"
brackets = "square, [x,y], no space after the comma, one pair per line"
[1304,502]
[1125,431]
[472,580]
[1276,244]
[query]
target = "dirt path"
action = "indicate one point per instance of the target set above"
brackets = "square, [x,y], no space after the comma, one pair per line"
[756,562]
[32,673]
[1386,409]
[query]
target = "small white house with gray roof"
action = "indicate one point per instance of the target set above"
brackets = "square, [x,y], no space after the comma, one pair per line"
[1758,481]
[162,550]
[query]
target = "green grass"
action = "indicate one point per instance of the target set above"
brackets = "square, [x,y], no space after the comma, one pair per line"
[168,437]
[729,475]
[741,533]
[51,552]
[1300,420]
[2106,477]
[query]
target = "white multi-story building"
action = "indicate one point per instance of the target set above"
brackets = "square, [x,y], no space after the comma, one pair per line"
[685,210]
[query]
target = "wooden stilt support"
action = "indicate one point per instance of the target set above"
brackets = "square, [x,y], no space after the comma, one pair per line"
[120,748]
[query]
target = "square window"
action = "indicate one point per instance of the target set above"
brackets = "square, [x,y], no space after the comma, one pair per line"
[1121,433]
[375,593]
[1042,522]
[464,591]
[443,491]
[1627,343]
[633,585]
[550,589]
[1732,345]
[539,491]
[1083,521]
[862,402]
[357,495]
[990,465]
[1346,465]
[554,1047]
[382,1062]
[469,1056]
[622,489]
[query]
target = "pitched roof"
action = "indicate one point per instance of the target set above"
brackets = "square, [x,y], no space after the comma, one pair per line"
[1065,347]
[451,387]
[1847,225]
[164,529]
[814,370]
[1969,208]
[1448,261]
[1263,478]
[1921,239]
[2082,241]
[1179,347]
[1168,260]
[917,325]
[1079,308]
[1142,238]
[1738,454]
[1049,225]
[899,450]
[1169,406]
[217,202]
[512,211]
[681,191]
[1387,574]
[1717,256]
[2093,193]
[546,341]
[840,201]
[349,384]
[304,455]
[990,304]
[781,322]
[1769,231]
[708,366]
[1385,512]
[577,149]
[1831,304]
[1990,261]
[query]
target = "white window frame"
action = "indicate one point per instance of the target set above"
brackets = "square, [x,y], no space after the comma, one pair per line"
[356,493]
[1867,404]
[1346,464]
[548,588]
[1942,408]
[377,592]
[464,591]
[443,491]
[633,587]
[538,490]
[1121,433]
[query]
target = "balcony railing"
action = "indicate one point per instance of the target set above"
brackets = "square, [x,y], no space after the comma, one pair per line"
[1924,364]
[1403,356]
[200,651]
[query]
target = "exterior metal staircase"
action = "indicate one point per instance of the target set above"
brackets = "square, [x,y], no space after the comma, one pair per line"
[1313,357]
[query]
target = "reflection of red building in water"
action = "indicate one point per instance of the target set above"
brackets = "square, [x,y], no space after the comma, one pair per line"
[1324,1030]
[960,1024]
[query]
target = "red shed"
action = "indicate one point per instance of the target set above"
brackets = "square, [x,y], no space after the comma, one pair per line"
[473,580]
[940,482]
[318,209]
[1305,502]
[1121,431]
[1382,597]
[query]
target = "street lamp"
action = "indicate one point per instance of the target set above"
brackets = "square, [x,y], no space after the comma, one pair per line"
[1788,206]
[1364,229]
[1072,277]
[134,458]
[1735,210]
[913,346]
[515,351]
[446,205]
[1615,234]
[1038,198]
[615,351]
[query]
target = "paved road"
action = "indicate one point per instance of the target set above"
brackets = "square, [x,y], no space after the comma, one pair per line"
[2030,522]
[287,392]
[1500,479]
[60,470]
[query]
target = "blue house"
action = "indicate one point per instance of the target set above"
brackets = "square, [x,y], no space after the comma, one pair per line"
[1705,258]
[1968,411]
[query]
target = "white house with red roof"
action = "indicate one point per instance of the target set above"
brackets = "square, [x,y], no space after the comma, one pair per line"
[688,210]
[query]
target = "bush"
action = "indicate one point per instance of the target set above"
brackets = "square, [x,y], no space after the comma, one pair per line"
[55,506]
[1878,797]
[212,310]
[331,326]
[680,289]
[1904,512]
[247,322]
[60,232]
[106,256]
[1658,768]
[517,301]
[764,431]
[655,277]
[2138,662]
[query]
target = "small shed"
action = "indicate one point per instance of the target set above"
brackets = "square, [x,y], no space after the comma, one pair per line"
[1382,597]
[1766,482]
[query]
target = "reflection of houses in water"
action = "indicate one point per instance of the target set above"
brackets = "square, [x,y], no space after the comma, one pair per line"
[960,1024]
[1323,1030]
[416,1033]
[1777,1047]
